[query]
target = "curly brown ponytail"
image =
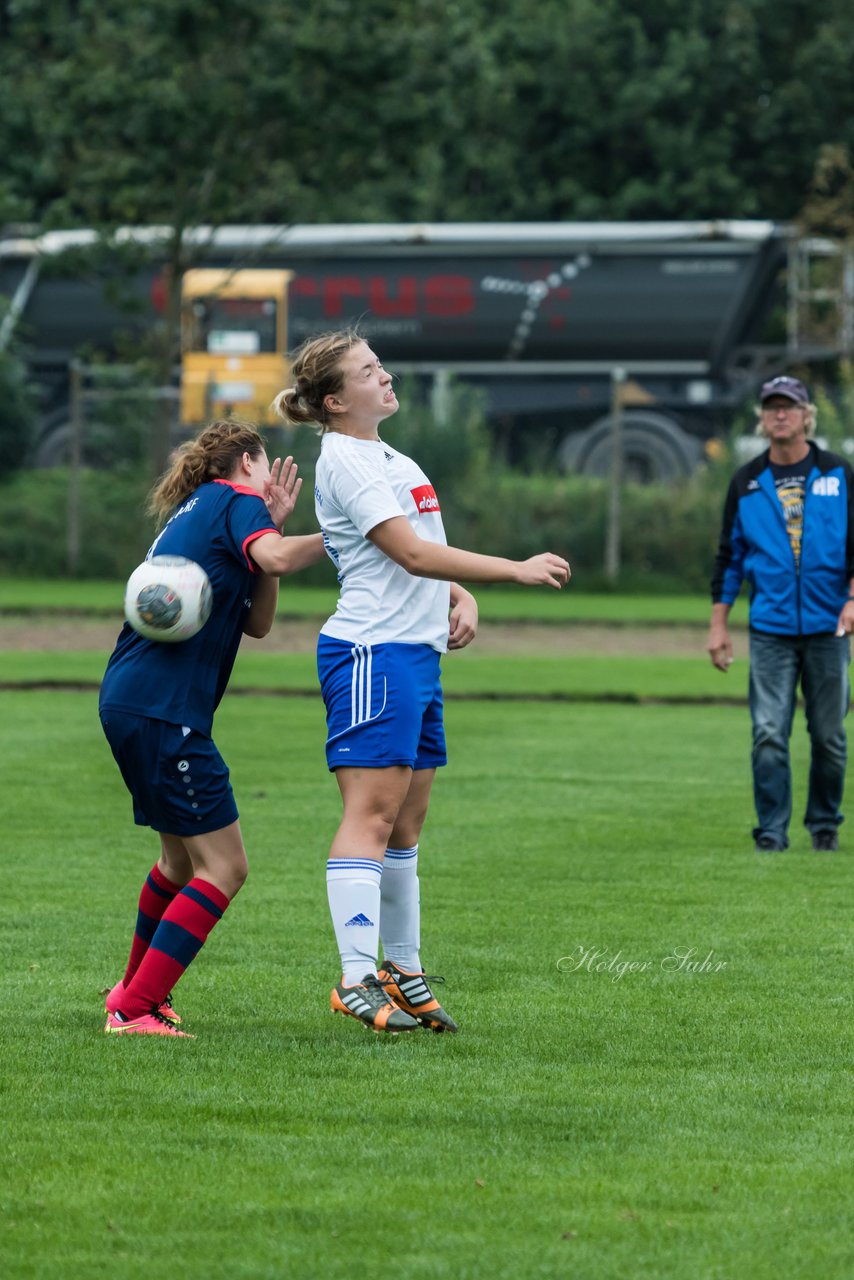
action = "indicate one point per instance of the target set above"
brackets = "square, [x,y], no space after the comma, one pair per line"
[213,455]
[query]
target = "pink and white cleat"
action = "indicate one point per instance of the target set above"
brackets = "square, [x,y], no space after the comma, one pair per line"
[150,1024]
[112,1002]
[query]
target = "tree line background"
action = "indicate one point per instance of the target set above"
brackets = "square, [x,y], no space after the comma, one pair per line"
[205,112]
[209,111]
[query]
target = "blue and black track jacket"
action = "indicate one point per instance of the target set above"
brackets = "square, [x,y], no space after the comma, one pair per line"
[786,599]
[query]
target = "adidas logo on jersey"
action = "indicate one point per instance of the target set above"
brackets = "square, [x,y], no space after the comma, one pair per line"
[360,919]
[389,457]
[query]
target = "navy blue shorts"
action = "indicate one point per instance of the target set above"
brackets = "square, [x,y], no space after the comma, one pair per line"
[383,704]
[177,779]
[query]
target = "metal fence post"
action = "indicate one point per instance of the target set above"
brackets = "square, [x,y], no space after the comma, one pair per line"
[612,532]
[74,465]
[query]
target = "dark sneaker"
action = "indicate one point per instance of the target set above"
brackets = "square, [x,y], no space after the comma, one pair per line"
[825,841]
[410,992]
[767,844]
[369,1004]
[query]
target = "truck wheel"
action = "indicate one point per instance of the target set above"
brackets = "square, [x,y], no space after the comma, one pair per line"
[54,448]
[655,449]
[102,448]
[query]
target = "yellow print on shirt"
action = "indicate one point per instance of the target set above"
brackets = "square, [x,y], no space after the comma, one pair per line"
[791,494]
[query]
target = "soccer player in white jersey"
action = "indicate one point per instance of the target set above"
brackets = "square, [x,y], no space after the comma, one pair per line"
[399,609]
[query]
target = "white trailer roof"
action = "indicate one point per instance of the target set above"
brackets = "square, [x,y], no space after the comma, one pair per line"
[463,235]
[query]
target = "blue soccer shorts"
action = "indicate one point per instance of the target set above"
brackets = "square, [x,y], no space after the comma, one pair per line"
[177,779]
[383,704]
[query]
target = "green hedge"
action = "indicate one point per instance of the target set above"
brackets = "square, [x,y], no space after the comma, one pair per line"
[669,535]
[668,539]
[114,531]
[668,542]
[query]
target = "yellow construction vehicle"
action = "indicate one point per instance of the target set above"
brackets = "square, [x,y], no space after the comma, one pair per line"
[233,343]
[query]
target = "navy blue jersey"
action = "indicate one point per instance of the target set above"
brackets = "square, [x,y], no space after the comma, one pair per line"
[183,683]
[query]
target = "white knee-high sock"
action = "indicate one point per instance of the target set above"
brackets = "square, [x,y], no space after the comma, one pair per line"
[400,908]
[353,889]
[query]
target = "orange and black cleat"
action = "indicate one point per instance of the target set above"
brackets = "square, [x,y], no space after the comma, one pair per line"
[369,1004]
[410,992]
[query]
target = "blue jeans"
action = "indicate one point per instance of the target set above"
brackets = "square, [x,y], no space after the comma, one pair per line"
[777,665]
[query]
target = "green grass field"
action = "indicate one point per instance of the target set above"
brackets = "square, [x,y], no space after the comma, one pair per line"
[466,674]
[514,603]
[653,1074]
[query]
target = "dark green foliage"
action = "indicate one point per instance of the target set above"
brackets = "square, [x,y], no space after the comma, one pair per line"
[273,111]
[669,535]
[835,418]
[115,533]
[277,112]
[17,415]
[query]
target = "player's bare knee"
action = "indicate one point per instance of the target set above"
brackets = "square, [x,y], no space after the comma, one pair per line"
[405,835]
[240,874]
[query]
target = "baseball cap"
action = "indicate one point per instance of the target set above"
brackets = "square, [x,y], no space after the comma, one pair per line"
[791,388]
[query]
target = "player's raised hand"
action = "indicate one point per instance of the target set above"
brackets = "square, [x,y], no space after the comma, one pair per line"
[282,489]
[545,570]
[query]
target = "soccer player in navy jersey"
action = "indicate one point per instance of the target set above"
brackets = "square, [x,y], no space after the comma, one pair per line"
[223,506]
[378,661]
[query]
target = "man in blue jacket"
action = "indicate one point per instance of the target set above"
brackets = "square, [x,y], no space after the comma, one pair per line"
[788,528]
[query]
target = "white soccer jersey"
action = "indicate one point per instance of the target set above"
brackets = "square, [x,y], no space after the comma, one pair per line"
[358,484]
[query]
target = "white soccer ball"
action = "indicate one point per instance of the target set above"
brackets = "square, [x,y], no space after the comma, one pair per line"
[168,598]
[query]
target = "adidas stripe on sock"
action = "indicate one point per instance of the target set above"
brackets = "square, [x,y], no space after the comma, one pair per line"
[353,890]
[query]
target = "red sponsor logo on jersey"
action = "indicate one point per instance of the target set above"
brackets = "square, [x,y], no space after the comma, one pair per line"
[425,499]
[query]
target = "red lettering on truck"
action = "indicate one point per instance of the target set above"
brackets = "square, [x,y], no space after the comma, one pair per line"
[389,295]
[449,295]
[395,297]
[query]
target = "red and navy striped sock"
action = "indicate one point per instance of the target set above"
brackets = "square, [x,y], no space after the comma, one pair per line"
[157,893]
[181,933]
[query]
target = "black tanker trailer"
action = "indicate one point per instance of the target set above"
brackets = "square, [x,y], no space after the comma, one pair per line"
[539,316]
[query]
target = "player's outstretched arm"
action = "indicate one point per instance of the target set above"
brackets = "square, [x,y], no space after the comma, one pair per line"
[278,556]
[396,539]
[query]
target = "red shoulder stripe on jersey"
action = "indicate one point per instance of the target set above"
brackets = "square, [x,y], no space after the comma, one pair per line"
[259,533]
[240,488]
